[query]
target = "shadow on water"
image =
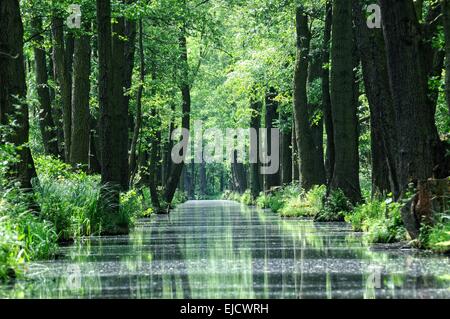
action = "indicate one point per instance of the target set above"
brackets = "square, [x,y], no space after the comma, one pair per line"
[219,249]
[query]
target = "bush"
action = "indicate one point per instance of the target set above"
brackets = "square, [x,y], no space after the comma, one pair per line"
[307,205]
[70,200]
[179,198]
[437,237]
[23,236]
[335,208]
[11,251]
[71,205]
[247,198]
[381,220]
[262,201]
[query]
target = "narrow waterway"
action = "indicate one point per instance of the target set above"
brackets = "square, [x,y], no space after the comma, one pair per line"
[220,249]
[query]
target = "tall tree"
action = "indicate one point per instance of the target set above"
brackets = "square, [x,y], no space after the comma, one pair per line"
[420,153]
[374,67]
[271,180]
[63,79]
[326,98]
[138,120]
[312,170]
[46,123]
[344,113]
[255,123]
[286,152]
[79,150]
[445,4]
[185,86]
[120,105]
[13,91]
[110,164]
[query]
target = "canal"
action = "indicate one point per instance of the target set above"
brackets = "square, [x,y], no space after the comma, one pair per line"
[221,249]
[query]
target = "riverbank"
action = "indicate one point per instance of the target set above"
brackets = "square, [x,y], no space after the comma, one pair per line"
[221,249]
[63,207]
[379,219]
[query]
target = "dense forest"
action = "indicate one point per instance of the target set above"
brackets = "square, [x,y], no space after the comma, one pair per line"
[93,95]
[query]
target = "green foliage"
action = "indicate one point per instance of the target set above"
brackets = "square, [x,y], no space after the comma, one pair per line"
[71,205]
[305,205]
[335,208]
[11,252]
[70,199]
[247,198]
[179,198]
[379,219]
[437,237]
[23,236]
[262,201]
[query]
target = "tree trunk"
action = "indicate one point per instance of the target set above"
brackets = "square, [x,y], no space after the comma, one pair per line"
[286,148]
[326,98]
[316,125]
[110,193]
[203,185]
[94,166]
[239,174]
[312,170]
[271,180]
[119,101]
[255,123]
[63,80]
[344,113]
[46,123]
[138,121]
[13,92]
[79,150]
[177,168]
[446,22]
[286,157]
[295,162]
[374,66]
[169,146]
[419,151]
[130,50]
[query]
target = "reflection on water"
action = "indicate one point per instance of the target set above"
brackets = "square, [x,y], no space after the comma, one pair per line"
[219,249]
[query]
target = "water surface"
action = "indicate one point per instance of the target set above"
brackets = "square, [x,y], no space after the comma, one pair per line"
[220,249]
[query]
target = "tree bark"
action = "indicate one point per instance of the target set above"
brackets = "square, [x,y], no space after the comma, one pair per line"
[63,80]
[326,98]
[374,67]
[110,193]
[46,123]
[203,185]
[286,157]
[240,174]
[255,123]
[13,91]
[420,153]
[445,4]
[119,101]
[130,50]
[176,170]
[79,150]
[138,121]
[271,180]
[312,170]
[344,113]
[169,146]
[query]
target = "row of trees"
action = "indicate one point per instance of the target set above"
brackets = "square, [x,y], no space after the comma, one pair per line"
[96,107]
[107,96]
[395,70]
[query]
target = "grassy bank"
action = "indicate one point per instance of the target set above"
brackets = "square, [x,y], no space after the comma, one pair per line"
[379,219]
[68,202]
